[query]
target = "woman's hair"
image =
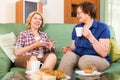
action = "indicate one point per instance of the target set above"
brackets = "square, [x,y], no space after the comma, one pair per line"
[28,24]
[88,8]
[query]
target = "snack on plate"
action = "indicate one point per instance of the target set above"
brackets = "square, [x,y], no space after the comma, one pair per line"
[89,69]
[60,74]
[47,71]
[48,77]
[36,75]
[41,76]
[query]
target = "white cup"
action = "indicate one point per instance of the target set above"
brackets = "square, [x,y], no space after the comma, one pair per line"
[35,65]
[79,31]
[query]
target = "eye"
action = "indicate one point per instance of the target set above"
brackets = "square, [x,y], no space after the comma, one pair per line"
[40,18]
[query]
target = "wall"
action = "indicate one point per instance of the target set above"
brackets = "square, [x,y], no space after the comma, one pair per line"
[53,11]
[7,11]
[102,10]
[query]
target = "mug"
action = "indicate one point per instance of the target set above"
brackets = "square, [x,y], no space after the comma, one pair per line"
[79,31]
[35,65]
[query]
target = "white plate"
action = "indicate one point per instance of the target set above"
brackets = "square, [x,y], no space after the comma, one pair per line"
[81,72]
[29,72]
[67,77]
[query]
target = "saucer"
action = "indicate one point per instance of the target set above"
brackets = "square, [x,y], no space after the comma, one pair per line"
[81,72]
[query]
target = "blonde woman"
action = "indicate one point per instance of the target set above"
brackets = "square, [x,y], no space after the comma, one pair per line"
[34,45]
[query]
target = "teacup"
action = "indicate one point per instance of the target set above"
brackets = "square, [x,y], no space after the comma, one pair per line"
[35,65]
[79,31]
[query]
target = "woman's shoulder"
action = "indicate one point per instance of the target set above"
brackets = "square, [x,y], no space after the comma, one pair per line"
[78,25]
[43,33]
[24,32]
[101,24]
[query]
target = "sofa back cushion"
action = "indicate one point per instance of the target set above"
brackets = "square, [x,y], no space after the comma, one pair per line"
[11,27]
[61,34]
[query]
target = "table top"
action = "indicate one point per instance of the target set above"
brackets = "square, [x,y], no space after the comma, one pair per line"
[103,76]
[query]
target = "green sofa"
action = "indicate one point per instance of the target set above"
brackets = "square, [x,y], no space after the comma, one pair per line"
[59,32]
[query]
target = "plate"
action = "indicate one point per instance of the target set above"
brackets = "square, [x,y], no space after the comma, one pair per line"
[81,72]
[29,72]
[67,77]
[32,78]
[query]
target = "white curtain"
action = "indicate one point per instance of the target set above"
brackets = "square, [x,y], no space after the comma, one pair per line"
[112,16]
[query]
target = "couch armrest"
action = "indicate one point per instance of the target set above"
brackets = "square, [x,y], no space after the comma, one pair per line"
[5,63]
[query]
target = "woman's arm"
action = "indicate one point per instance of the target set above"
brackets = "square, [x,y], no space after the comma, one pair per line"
[101,46]
[72,45]
[36,44]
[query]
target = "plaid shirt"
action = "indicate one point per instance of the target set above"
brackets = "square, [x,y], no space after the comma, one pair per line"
[26,38]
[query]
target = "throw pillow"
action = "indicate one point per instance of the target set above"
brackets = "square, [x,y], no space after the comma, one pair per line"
[115,50]
[7,44]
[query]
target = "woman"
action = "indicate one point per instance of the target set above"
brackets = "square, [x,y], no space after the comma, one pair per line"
[34,45]
[90,49]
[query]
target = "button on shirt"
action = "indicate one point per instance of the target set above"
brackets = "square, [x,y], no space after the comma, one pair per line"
[26,38]
[83,45]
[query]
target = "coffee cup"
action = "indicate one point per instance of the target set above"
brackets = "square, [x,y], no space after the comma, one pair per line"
[79,31]
[35,65]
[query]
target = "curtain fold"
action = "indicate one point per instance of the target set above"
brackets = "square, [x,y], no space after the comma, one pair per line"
[112,16]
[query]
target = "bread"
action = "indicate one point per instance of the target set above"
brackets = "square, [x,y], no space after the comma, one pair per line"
[89,69]
[36,75]
[48,77]
[41,76]
[60,74]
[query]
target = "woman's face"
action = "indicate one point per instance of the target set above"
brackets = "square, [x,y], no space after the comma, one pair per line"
[36,21]
[82,17]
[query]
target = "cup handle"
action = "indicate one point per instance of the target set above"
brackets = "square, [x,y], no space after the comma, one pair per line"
[41,65]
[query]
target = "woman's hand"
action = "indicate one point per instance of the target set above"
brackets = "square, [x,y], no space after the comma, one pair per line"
[87,33]
[51,44]
[41,44]
[66,49]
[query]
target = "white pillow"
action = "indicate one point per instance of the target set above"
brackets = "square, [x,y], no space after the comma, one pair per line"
[7,44]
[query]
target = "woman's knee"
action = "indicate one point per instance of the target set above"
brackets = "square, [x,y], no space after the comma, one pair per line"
[52,56]
[32,58]
[69,59]
[83,61]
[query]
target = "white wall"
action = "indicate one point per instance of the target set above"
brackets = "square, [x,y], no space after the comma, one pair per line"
[7,11]
[53,11]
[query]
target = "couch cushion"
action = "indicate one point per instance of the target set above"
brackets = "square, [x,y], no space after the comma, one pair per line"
[114,68]
[11,27]
[4,63]
[14,76]
[115,50]
[61,33]
[6,42]
[18,69]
